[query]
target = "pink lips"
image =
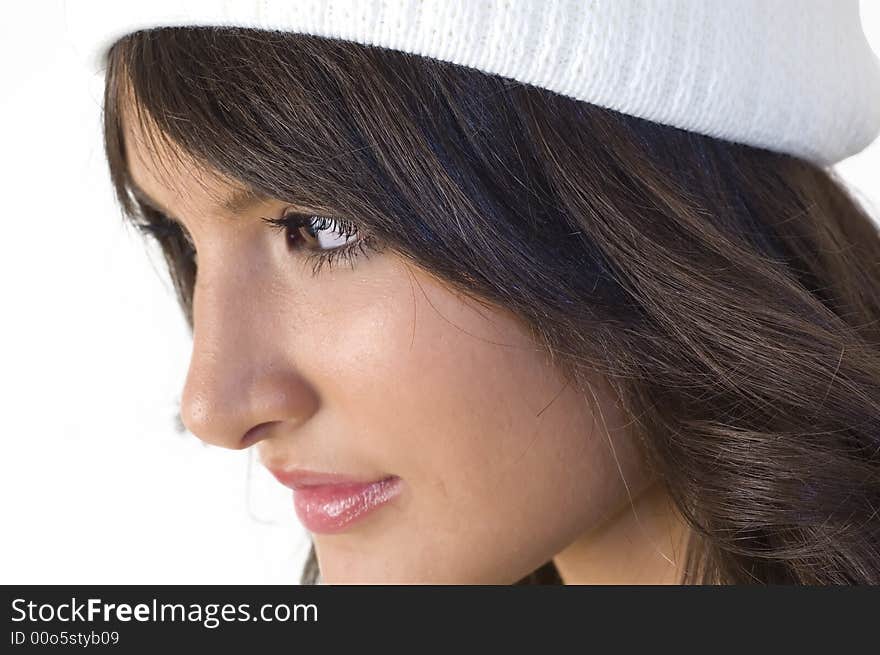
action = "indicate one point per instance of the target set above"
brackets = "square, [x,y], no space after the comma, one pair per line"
[328,503]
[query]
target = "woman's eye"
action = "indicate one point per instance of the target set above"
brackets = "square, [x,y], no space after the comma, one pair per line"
[323,239]
[155,224]
[315,232]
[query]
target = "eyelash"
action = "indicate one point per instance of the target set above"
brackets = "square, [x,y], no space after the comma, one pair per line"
[158,226]
[292,221]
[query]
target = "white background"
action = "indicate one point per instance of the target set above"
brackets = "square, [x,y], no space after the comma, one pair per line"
[96,484]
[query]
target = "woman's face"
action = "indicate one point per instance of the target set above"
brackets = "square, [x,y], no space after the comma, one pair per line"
[382,370]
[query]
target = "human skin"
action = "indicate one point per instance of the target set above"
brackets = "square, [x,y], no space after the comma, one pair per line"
[385,370]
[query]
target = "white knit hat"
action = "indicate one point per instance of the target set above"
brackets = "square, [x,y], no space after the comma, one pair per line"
[794,76]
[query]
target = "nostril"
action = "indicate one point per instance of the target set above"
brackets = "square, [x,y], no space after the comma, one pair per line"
[255,434]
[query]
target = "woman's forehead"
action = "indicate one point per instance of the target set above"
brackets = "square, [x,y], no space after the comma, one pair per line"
[165,174]
[150,155]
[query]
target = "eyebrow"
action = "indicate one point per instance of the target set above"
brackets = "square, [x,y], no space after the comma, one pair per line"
[238,201]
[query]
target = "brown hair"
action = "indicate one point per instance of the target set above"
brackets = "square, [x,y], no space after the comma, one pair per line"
[730,294]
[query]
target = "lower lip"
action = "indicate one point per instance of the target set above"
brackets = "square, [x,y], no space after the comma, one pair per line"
[333,508]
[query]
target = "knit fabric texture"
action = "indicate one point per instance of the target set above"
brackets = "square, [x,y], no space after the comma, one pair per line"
[792,76]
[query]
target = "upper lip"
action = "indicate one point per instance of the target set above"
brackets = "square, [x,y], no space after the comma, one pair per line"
[299,478]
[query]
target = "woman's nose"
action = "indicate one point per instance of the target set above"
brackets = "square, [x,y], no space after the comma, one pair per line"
[240,380]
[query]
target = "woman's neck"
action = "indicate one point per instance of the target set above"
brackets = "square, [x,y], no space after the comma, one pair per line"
[642,544]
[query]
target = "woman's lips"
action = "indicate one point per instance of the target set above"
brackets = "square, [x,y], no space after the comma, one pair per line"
[328,503]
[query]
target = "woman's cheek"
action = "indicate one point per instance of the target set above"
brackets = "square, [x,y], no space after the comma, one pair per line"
[503,463]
